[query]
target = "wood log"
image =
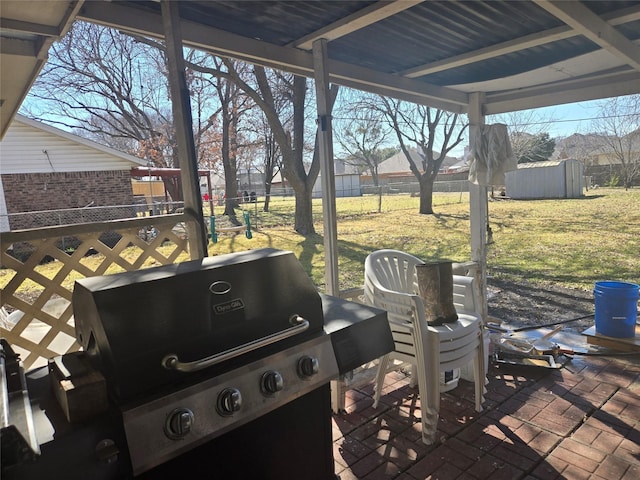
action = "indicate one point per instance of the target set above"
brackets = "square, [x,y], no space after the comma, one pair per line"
[446,292]
[435,287]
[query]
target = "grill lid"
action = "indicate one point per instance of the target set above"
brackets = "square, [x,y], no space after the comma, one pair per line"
[128,323]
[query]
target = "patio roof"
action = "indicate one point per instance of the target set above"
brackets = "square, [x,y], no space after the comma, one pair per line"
[521,54]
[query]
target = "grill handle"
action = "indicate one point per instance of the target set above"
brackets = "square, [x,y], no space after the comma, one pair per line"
[171,361]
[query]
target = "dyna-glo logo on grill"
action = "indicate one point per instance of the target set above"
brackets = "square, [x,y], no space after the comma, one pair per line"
[229,306]
[222,288]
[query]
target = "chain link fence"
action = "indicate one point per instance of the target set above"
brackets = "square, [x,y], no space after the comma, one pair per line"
[88,214]
[372,198]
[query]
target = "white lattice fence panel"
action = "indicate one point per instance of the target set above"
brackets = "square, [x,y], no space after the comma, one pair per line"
[39,269]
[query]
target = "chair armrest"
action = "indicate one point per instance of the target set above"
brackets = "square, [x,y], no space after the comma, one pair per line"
[468,268]
[401,307]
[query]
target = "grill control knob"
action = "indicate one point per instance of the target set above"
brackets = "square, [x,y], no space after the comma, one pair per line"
[308,366]
[229,402]
[179,423]
[271,382]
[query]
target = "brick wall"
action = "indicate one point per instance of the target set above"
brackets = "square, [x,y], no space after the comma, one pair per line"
[30,192]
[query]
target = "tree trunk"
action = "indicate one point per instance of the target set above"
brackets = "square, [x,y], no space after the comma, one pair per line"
[304,211]
[267,196]
[230,173]
[426,194]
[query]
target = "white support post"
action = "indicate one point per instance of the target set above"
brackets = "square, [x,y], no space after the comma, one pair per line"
[185,143]
[325,144]
[479,214]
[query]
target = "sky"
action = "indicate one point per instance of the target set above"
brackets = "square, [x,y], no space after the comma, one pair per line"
[571,118]
[558,121]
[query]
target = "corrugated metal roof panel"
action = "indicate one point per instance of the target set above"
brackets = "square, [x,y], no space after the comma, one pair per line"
[280,22]
[433,31]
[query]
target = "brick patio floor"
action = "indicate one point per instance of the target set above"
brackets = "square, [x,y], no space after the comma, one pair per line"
[579,422]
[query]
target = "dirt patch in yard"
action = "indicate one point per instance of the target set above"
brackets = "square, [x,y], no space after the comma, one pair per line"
[525,304]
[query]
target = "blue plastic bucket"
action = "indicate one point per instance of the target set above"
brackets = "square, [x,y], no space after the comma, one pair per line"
[616,308]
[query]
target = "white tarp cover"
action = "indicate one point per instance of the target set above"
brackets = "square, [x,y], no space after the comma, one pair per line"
[492,155]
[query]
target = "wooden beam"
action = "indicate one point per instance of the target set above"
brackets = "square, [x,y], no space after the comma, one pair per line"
[19,47]
[9,24]
[185,144]
[360,19]
[612,84]
[325,144]
[478,208]
[590,25]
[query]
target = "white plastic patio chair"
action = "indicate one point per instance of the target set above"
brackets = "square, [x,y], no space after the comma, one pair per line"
[391,284]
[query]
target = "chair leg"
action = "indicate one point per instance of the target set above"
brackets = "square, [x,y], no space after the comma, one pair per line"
[337,396]
[428,373]
[430,402]
[382,372]
[413,378]
[480,379]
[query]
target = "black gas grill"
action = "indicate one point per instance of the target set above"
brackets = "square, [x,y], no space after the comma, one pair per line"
[218,368]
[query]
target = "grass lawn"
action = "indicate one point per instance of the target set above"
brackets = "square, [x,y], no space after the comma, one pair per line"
[572,242]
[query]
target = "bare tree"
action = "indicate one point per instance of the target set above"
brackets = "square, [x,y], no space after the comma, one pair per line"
[103,82]
[528,133]
[111,86]
[233,104]
[424,127]
[363,135]
[292,147]
[618,123]
[268,151]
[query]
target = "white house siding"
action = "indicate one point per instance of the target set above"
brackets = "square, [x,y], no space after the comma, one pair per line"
[44,169]
[553,179]
[32,147]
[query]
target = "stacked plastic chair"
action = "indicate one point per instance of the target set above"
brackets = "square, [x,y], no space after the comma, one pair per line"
[391,284]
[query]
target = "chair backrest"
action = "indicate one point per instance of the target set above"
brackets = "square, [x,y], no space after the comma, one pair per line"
[396,271]
[393,270]
[390,284]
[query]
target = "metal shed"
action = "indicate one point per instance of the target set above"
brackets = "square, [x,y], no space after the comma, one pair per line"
[347,185]
[551,179]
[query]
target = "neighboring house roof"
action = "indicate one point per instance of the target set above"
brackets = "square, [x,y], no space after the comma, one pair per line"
[398,162]
[459,166]
[34,147]
[578,145]
[585,145]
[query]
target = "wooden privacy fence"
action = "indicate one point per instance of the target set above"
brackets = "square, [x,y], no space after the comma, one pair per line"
[36,316]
